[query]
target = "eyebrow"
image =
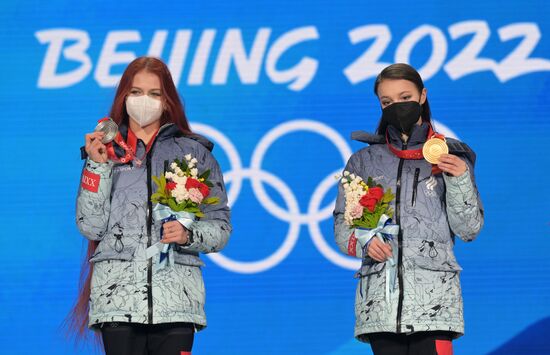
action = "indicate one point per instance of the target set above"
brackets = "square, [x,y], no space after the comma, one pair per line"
[135,87]
[401,93]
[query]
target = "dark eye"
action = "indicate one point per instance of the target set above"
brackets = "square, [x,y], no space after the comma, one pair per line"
[135,92]
[386,103]
[407,98]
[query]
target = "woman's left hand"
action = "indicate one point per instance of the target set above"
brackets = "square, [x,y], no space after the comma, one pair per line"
[174,232]
[451,164]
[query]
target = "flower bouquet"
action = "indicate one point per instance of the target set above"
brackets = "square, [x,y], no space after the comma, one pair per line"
[368,209]
[181,191]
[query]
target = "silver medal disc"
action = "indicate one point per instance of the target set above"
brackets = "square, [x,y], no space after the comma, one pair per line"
[109,127]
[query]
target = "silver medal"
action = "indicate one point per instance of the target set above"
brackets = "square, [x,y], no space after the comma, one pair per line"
[109,127]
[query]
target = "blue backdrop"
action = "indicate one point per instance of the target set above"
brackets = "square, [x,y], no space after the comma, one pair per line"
[279,86]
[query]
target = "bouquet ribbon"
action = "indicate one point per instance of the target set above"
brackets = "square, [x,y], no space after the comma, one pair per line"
[384,231]
[164,214]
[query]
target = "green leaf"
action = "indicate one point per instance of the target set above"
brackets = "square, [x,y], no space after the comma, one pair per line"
[205,175]
[156,180]
[370,182]
[211,200]
[172,204]
[183,165]
[193,209]
[157,197]
[199,214]
[162,183]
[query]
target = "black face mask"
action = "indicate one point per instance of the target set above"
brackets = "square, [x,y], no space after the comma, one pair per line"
[402,115]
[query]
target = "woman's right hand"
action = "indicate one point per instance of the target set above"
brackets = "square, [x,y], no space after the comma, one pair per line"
[379,250]
[94,148]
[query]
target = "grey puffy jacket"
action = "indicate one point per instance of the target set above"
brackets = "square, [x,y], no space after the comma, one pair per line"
[430,210]
[113,208]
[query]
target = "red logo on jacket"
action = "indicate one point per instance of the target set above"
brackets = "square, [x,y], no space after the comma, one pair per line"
[90,181]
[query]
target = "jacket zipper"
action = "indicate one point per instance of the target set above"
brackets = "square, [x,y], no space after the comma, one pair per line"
[415,185]
[149,239]
[399,242]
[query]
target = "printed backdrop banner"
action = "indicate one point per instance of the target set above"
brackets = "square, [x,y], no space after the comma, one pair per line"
[279,86]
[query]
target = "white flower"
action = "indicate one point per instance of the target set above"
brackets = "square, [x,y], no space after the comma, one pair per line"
[344,180]
[346,173]
[194,161]
[180,193]
[191,165]
[188,157]
[194,172]
[169,175]
[178,171]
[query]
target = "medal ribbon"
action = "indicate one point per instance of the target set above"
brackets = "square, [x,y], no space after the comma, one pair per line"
[415,154]
[129,147]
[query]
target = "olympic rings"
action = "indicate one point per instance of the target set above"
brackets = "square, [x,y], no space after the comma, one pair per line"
[291,212]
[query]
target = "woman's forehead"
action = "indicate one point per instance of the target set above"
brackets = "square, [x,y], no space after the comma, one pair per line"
[395,87]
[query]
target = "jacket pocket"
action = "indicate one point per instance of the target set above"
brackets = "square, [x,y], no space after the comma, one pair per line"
[113,288]
[435,256]
[364,275]
[102,255]
[369,269]
[415,186]
[187,259]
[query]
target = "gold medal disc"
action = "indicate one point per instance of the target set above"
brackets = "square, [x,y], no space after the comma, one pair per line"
[433,149]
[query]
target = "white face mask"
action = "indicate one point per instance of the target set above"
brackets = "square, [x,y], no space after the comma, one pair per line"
[143,109]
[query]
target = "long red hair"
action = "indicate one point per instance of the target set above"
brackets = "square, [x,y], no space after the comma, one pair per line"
[77,320]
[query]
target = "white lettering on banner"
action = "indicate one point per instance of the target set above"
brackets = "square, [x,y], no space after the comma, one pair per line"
[518,62]
[71,45]
[109,56]
[291,214]
[302,73]
[232,49]
[48,78]
[367,66]
[157,43]
[439,49]
[196,77]
[465,62]
[179,53]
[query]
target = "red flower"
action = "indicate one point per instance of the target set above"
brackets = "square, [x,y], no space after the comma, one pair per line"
[170,185]
[196,184]
[371,198]
[368,202]
[376,192]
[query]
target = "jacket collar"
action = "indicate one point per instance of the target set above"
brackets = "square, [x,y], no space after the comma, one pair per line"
[419,134]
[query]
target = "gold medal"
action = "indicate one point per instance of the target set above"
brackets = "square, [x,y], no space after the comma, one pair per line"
[433,149]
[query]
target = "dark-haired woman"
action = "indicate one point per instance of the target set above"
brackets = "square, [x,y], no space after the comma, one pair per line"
[414,305]
[138,307]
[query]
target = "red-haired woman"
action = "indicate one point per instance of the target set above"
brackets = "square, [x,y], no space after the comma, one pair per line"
[138,306]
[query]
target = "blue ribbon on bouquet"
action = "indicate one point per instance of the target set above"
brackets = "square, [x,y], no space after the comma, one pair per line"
[384,231]
[164,214]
